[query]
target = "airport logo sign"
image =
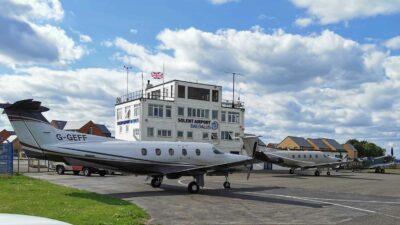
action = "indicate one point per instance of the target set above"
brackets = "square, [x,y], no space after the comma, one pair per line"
[201,124]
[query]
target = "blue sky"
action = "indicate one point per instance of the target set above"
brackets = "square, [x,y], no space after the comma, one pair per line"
[313,68]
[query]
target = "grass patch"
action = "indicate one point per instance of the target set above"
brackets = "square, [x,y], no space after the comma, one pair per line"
[24,195]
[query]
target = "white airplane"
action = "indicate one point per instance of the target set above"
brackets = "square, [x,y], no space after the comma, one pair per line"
[294,159]
[156,159]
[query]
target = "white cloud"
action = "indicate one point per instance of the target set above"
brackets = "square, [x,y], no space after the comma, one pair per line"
[85,38]
[318,85]
[28,38]
[221,2]
[303,22]
[83,94]
[393,43]
[133,31]
[329,12]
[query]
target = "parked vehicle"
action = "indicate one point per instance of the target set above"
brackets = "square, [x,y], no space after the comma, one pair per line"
[61,168]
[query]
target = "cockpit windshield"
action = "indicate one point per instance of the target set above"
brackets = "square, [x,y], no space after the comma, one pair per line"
[216,151]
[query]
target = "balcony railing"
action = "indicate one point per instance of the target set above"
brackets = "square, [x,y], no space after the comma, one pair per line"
[231,104]
[139,95]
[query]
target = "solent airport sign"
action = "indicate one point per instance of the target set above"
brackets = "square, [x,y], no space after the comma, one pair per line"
[202,124]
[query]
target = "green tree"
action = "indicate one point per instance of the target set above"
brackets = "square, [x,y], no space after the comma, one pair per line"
[367,149]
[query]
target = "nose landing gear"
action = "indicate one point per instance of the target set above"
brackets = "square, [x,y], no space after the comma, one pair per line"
[156,182]
[226,184]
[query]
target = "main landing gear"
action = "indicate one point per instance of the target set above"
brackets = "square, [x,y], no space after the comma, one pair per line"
[291,171]
[156,182]
[194,186]
[226,184]
[317,173]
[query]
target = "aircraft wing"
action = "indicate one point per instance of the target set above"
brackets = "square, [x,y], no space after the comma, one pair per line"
[219,167]
[381,165]
[327,165]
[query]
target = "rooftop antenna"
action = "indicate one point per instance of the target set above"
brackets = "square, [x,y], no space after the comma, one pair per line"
[127,82]
[233,86]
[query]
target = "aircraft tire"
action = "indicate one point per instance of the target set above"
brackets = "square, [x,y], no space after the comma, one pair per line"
[227,185]
[156,182]
[102,173]
[382,171]
[291,171]
[193,187]
[328,173]
[60,170]
[316,173]
[87,172]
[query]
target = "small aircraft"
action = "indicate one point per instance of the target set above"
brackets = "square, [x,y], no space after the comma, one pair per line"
[294,159]
[378,163]
[155,159]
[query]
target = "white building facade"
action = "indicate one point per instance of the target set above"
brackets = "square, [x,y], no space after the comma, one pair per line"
[181,111]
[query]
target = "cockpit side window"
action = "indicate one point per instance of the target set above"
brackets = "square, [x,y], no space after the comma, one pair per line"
[216,151]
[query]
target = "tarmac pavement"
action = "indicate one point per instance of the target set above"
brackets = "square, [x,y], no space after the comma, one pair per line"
[267,198]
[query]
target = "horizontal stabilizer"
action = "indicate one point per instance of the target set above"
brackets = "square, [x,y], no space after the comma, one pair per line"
[27,105]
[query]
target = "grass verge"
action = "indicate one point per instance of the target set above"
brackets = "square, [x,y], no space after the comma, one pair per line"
[24,195]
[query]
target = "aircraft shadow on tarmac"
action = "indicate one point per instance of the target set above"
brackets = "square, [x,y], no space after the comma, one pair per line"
[341,176]
[96,197]
[233,193]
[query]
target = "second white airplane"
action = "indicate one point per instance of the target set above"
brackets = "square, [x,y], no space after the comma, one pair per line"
[294,159]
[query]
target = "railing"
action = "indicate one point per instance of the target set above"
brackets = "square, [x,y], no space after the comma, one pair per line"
[231,104]
[139,95]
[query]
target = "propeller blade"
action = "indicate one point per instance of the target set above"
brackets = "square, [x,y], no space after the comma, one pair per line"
[253,155]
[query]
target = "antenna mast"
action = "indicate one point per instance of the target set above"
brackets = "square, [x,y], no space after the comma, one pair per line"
[127,81]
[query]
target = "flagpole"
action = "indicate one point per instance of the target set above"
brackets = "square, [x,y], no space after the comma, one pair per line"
[142,86]
[163,75]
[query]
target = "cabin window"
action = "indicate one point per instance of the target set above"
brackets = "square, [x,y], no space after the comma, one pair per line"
[298,156]
[324,156]
[310,156]
[293,156]
[171,151]
[198,152]
[144,151]
[216,151]
[184,152]
[316,156]
[158,151]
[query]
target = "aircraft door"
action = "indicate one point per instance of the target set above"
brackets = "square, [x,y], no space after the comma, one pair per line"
[184,152]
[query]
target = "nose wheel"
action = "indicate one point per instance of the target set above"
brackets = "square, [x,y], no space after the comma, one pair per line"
[291,171]
[156,182]
[226,184]
[316,173]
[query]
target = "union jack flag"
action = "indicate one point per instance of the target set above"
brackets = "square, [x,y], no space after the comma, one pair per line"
[157,75]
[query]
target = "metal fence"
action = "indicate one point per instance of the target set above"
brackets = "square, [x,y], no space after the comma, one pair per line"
[6,158]
[31,165]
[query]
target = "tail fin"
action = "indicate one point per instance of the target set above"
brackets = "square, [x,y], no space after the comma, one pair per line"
[34,131]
